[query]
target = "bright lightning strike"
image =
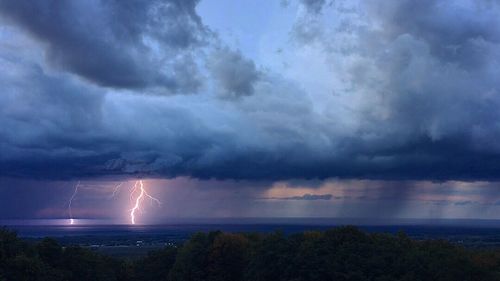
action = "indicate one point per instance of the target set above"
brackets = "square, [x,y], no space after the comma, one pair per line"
[139,199]
[71,220]
[132,191]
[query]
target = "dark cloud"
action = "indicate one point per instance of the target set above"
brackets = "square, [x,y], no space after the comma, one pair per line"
[464,203]
[305,197]
[120,44]
[314,6]
[234,74]
[408,104]
[458,32]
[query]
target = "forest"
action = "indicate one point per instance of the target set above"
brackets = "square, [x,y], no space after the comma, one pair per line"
[341,253]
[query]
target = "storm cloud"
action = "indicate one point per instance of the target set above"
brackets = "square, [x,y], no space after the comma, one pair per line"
[234,74]
[314,6]
[400,90]
[132,45]
[306,197]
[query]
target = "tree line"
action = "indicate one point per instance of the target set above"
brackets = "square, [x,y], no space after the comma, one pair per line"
[342,253]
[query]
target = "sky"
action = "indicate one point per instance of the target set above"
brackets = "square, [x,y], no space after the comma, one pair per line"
[251,108]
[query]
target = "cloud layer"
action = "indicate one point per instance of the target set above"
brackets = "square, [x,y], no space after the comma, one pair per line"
[387,90]
[306,197]
[133,44]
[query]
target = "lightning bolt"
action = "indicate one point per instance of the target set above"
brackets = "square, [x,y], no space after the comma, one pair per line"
[117,188]
[132,191]
[71,220]
[139,185]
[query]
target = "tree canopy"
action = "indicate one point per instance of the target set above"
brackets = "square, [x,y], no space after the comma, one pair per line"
[342,253]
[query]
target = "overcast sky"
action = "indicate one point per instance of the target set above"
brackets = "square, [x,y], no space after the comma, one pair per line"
[385,108]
